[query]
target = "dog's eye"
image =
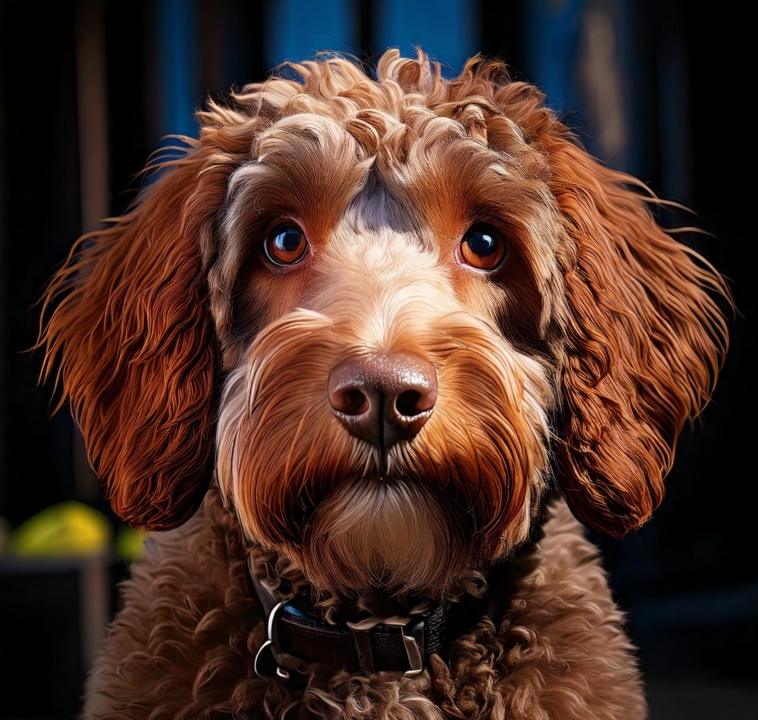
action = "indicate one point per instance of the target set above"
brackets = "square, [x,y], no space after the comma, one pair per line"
[483,247]
[286,245]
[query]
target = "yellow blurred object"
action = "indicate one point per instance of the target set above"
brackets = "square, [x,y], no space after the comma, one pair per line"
[69,528]
[129,543]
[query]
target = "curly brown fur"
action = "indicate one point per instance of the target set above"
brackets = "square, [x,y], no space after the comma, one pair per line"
[187,350]
[187,638]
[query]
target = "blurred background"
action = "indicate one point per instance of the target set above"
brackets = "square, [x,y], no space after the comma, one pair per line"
[658,88]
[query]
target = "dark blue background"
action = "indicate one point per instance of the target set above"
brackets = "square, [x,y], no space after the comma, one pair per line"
[658,88]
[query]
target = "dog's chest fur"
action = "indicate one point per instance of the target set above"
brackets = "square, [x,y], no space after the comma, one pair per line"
[184,644]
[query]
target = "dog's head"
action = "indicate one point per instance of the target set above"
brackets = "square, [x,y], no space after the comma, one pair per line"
[385,312]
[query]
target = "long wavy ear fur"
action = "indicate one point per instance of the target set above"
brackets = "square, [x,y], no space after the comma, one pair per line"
[644,337]
[644,343]
[132,344]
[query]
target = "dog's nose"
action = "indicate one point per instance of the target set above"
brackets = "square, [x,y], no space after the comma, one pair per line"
[383,399]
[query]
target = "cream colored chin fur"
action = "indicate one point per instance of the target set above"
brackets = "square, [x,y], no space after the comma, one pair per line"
[390,534]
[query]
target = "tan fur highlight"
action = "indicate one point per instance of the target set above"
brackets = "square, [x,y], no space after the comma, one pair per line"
[388,535]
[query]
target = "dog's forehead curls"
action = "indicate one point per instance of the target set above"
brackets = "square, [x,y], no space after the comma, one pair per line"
[384,312]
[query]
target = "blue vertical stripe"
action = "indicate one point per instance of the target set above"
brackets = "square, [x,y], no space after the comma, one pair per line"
[564,60]
[297,29]
[446,30]
[552,31]
[176,22]
[629,15]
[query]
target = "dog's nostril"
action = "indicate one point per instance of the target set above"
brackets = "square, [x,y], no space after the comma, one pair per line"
[383,398]
[407,403]
[351,402]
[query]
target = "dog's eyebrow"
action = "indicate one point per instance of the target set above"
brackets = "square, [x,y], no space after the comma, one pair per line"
[242,175]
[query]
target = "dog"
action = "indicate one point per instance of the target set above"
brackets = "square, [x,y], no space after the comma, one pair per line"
[365,355]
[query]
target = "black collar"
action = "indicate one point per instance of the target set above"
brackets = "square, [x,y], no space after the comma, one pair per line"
[298,636]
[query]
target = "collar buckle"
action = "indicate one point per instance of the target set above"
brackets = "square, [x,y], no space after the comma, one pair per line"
[271,650]
[414,650]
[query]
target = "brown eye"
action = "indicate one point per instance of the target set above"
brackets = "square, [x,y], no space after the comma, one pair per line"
[286,245]
[483,247]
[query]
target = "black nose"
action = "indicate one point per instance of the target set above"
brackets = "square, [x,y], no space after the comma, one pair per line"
[383,399]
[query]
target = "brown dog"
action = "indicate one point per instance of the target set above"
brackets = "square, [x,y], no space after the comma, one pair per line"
[384,315]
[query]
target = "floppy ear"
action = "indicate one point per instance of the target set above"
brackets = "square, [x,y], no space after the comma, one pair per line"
[644,341]
[134,344]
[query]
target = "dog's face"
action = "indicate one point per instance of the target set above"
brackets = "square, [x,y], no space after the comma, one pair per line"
[378,421]
[385,312]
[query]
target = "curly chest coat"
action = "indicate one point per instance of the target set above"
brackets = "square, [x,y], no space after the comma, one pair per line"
[183,647]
